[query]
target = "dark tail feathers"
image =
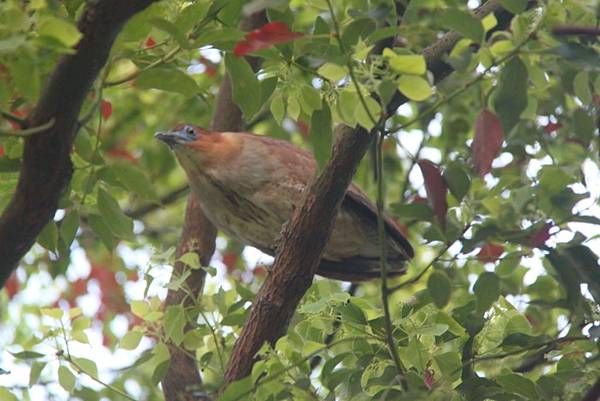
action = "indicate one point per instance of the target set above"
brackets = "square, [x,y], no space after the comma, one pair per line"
[359,269]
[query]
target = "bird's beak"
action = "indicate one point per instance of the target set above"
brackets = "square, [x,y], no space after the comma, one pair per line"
[173,138]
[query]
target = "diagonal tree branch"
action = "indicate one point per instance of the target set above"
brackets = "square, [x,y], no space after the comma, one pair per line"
[47,168]
[307,232]
[198,235]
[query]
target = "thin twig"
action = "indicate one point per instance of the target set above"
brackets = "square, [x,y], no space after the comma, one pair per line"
[430,264]
[164,201]
[29,131]
[22,122]
[567,30]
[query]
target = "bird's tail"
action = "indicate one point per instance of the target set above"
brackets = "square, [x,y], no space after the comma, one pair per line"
[360,269]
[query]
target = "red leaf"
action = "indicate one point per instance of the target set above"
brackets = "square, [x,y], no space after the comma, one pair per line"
[303,128]
[487,142]
[210,68]
[229,260]
[106,107]
[1,151]
[490,252]
[120,153]
[541,236]
[428,378]
[265,36]
[436,189]
[12,285]
[150,42]
[551,127]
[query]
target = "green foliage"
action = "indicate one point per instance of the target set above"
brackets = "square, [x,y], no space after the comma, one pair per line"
[495,305]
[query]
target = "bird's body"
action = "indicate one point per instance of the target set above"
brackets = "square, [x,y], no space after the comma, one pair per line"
[248,186]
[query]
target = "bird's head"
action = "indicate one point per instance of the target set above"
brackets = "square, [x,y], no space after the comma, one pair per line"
[199,148]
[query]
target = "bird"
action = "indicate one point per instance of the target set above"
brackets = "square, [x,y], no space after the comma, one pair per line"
[248,186]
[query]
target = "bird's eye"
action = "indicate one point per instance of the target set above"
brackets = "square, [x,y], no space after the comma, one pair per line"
[189,130]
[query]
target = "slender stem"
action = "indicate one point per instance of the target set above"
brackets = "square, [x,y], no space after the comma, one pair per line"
[385,291]
[361,97]
[22,122]
[29,131]
[433,261]
[442,101]
[164,59]
[97,380]
[215,339]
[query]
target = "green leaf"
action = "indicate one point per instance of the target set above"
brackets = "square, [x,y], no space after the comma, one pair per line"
[369,118]
[34,373]
[510,97]
[463,23]
[68,227]
[237,390]
[12,43]
[26,355]
[487,290]
[63,31]
[87,366]
[278,109]
[191,259]
[48,237]
[332,72]
[439,288]
[100,228]
[174,323]
[55,313]
[358,28]
[117,221]
[414,87]
[450,364]
[581,86]
[406,63]
[514,6]
[245,85]
[347,103]
[583,125]
[6,395]
[140,308]
[131,340]
[519,384]
[413,211]
[311,99]
[66,378]
[135,180]
[168,79]
[458,180]
[320,135]
[171,29]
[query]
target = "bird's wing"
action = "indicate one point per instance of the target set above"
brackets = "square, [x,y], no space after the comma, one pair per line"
[360,203]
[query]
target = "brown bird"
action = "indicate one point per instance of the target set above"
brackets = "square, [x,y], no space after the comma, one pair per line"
[248,186]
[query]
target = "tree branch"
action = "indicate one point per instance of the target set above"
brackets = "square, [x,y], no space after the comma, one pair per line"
[305,236]
[199,235]
[46,170]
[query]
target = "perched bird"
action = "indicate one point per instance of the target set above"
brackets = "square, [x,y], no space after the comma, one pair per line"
[248,186]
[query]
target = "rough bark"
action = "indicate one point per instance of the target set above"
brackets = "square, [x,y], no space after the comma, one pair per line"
[182,379]
[305,236]
[47,169]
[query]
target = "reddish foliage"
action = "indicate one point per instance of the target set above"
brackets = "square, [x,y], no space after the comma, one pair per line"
[1,151]
[106,108]
[210,70]
[487,142]
[541,236]
[12,285]
[13,124]
[259,271]
[490,252]
[150,42]
[112,298]
[263,37]
[419,200]
[303,128]
[436,189]
[428,378]
[120,153]
[551,127]
[229,259]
